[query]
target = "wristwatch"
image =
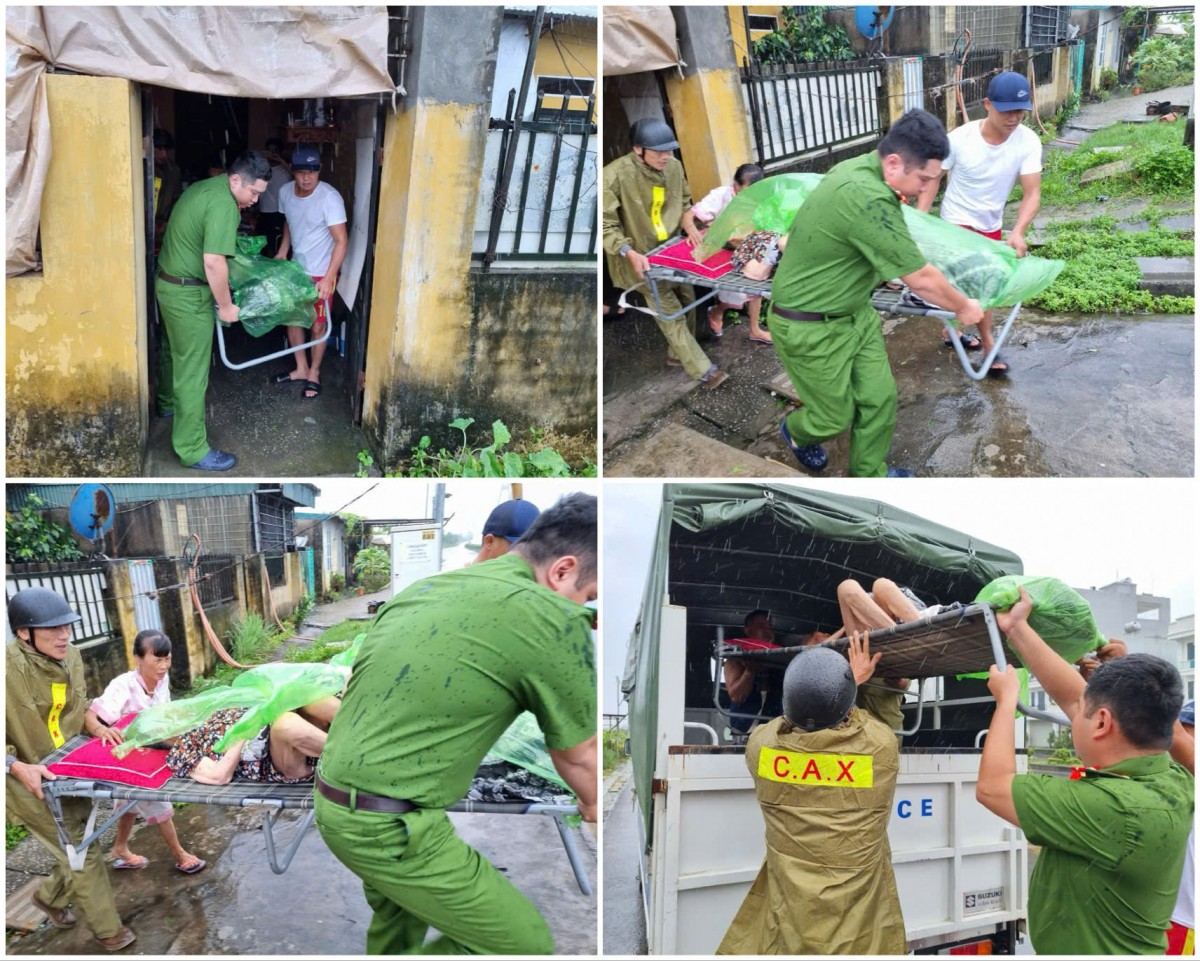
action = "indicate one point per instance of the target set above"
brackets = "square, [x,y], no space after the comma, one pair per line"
[9,761]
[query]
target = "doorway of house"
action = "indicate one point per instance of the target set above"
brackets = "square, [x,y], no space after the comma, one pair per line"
[273,428]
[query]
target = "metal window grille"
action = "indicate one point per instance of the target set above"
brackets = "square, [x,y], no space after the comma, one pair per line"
[801,108]
[216,573]
[276,569]
[274,522]
[758,21]
[1043,65]
[548,210]
[1046,26]
[990,26]
[223,524]
[978,71]
[82,583]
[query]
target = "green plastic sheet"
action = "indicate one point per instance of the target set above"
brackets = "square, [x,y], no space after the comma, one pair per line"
[524,744]
[346,657]
[269,292]
[269,691]
[986,270]
[1061,617]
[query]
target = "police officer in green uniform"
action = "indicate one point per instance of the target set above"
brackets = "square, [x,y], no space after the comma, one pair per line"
[447,665]
[1113,835]
[645,196]
[192,274]
[847,237]
[44,706]
[825,777]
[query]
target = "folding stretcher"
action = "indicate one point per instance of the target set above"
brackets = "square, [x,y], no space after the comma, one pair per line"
[671,262]
[255,361]
[271,799]
[961,641]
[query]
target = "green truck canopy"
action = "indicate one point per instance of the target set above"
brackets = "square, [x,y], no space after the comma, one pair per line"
[723,550]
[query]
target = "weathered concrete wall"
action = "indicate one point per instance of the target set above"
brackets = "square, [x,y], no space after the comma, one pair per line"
[76,333]
[706,102]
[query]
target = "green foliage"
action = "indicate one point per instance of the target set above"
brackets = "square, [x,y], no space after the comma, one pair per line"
[337,581]
[614,747]
[365,463]
[29,535]
[373,567]
[491,460]
[250,641]
[1101,276]
[303,608]
[1109,79]
[318,652]
[805,37]
[1164,61]
[1167,169]
[14,834]
[1061,174]
[1068,110]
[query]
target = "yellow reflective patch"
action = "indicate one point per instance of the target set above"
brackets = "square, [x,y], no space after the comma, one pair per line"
[58,699]
[656,206]
[821,770]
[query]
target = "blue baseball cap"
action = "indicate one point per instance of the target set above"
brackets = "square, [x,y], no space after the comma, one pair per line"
[1009,91]
[306,157]
[511,520]
[1187,713]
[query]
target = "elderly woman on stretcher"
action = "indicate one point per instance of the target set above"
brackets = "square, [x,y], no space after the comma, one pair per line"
[270,725]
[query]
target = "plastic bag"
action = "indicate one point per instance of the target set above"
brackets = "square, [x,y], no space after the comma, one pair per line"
[269,691]
[1061,617]
[346,657]
[986,270]
[269,292]
[524,744]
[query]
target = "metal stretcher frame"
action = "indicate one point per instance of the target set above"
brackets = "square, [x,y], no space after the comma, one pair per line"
[882,300]
[272,799]
[255,361]
[961,641]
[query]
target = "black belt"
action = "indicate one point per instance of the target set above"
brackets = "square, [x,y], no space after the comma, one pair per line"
[182,281]
[796,314]
[364,801]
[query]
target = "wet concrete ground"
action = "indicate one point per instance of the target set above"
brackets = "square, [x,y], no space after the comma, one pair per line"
[272,428]
[1086,397]
[624,915]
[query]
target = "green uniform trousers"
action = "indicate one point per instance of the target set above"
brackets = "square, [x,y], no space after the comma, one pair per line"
[187,316]
[841,373]
[681,339]
[88,890]
[417,873]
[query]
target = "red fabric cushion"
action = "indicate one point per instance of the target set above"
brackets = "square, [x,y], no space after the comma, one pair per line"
[142,768]
[679,256]
[752,644]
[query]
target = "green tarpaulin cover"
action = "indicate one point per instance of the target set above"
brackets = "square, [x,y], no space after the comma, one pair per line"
[987,270]
[269,292]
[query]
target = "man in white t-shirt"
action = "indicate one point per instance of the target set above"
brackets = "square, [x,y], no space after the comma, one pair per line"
[704,213]
[987,157]
[315,233]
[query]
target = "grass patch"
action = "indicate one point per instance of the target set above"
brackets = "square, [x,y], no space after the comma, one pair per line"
[331,642]
[1163,169]
[249,642]
[1101,276]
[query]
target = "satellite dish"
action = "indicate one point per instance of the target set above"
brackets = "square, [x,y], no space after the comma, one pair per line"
[93,509]
[872,21]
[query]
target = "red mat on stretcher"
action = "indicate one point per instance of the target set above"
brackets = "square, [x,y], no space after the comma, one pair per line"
[141,768]
[751,644]
[679,257]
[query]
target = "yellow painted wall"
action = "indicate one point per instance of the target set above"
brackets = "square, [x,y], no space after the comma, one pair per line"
[421,302]
[711,124]
[575,55]
[76,333]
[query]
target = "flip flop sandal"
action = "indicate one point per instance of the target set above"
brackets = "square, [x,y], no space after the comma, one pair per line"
[196,868]
[759,340]
[1001,371]
[969,342]
[130,864]
[311,385]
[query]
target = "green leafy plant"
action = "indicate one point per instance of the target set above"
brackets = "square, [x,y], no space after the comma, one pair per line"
[373,567]
[14,834]
[614,747]
[1109,79]
[29,535]
[303,608]
[365,463]
[251,641]
[805,37]
[1166,169]
[337,581]
[491,460]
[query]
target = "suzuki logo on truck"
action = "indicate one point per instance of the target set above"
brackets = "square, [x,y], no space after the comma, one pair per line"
[822,770]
